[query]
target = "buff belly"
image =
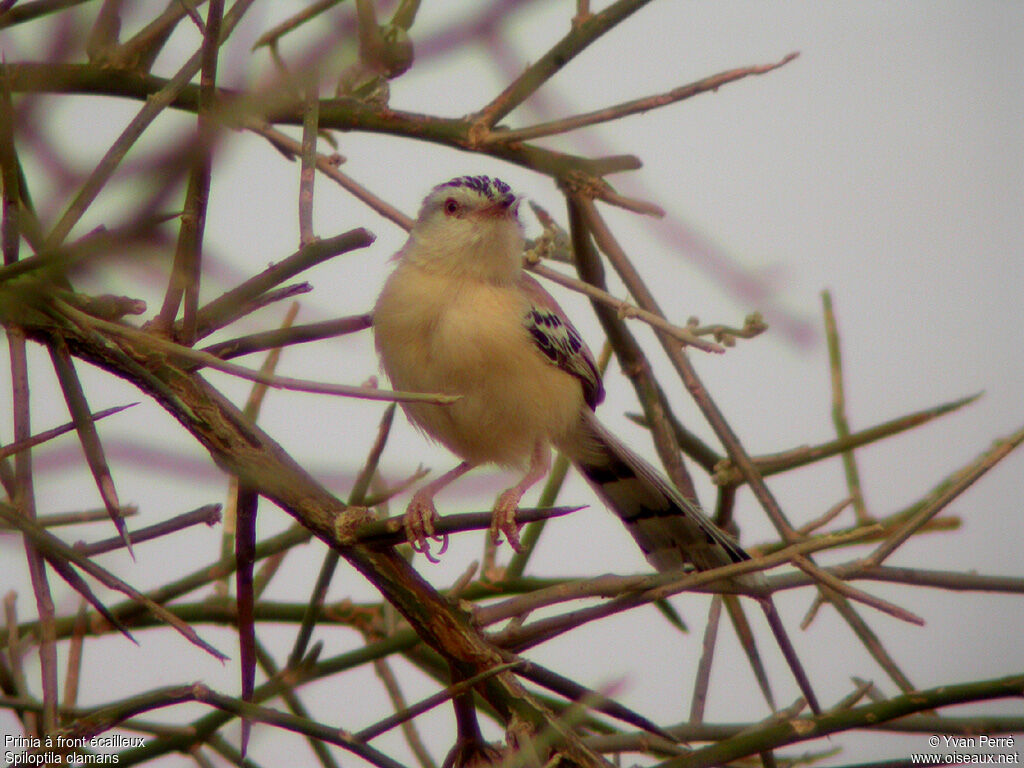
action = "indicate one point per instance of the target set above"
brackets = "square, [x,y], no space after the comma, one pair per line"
[477,347]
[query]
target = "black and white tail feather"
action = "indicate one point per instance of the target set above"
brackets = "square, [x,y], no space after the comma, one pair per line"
[670,529]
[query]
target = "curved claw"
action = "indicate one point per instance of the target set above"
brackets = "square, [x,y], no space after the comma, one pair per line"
[503,519]
[419,528]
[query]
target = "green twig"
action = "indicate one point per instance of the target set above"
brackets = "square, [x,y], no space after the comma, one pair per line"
[835,360]
[776,735]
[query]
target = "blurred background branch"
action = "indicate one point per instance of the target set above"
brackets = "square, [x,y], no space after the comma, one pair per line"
[90,203]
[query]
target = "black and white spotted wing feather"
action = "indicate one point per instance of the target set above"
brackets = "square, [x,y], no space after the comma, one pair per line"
[670,529]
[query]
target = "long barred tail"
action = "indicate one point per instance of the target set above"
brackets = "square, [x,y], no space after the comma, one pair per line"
[670,529]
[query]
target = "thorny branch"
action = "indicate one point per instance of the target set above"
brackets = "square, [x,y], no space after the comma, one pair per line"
[441,634]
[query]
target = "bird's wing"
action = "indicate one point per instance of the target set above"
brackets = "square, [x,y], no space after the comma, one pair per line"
[554,335]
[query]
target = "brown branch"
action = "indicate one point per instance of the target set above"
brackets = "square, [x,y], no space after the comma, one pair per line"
[391,530]
[773,463]
[566,124]
[339,114]
[294,703]
[716,419]
[61,555]
[624,308]
[323,580]
[208,515]
[162,98]
[92,447]
[629,591]
[272,35]
[24,499]
[186,270]
[224,308]
[283,337]
[159,345]
[30,10]
[307,173]
[328,165]
[50,434]
[707,655]
[631,356]
[242,449]
[565,50]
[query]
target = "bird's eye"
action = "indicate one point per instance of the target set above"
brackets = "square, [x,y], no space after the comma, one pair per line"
[451,206]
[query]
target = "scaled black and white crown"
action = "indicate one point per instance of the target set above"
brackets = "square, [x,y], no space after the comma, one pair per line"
[492,189]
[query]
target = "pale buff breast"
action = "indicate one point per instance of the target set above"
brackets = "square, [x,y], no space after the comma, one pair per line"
[435,334]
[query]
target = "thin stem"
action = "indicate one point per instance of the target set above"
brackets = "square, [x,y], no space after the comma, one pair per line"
[627,592]
[791,731]
[842,588]
[302,725]
[307,174]
[745,635]
[282,337]
[625,309]
[398,701]
[162,99]
[26,508]
[330,562]
[33,9]
[725,433]
[631,357]
[328,166]
[417,709]
[224,308]
[186,270]
[842,426]
[774,463]
[92,447]
[59,552]
[391,530]
[272,35]
[577,40]
[707,655]
[15,677]
[159,344]
[291,698]
[206,515]
[566,124]
[50,434]
[961,483]
[73,676]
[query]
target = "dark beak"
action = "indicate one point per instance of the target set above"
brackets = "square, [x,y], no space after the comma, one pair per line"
[506,207]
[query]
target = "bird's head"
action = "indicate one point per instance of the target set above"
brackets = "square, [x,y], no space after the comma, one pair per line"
[470,225]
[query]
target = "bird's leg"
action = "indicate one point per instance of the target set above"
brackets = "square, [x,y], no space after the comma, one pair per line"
[421,513]
[503,518]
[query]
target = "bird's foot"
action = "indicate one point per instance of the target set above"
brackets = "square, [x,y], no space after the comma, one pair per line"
[503,518]
[418,521]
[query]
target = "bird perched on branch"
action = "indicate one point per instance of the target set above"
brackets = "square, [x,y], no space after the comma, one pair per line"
[460,316]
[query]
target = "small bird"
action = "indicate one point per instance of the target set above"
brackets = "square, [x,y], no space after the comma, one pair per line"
[459,316]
